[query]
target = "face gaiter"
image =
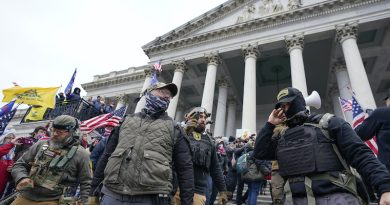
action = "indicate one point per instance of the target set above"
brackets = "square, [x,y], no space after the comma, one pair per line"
[155,104]
[297,113]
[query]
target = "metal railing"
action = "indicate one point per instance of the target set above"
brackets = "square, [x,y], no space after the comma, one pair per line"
[80,109]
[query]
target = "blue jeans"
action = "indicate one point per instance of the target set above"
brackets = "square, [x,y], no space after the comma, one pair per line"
[209,189]
[254,189]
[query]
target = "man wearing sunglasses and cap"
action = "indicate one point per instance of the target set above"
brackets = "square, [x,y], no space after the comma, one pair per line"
[136,167]
[314,153]
[378,124]
[49,169]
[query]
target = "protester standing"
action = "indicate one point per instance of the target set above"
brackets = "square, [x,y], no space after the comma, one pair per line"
[141,153]
[51,166]
[314,152]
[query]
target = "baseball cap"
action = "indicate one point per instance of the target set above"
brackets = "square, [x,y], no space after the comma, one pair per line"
[170,86]
[65,122]
[387,94]
[287,95]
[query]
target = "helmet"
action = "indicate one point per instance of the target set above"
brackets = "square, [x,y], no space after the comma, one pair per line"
[194,113]
[66,122]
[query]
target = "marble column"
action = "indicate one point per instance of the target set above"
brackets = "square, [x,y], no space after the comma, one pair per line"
[334,94]
[213,61]
[121,101]
[148,79]
[220,119]
[294,46]
[346,35]
[180,67]
[179,116]
[231,118]
[251,53]
[344,86]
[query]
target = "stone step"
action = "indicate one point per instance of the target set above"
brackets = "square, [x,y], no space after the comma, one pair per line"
[264,197]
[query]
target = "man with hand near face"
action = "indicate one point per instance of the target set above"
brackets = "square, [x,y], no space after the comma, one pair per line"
[314,153]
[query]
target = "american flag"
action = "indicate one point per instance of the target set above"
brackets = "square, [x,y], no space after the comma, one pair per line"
[109,119]
[346,105]
[358,117]
[7,108]
[157,66]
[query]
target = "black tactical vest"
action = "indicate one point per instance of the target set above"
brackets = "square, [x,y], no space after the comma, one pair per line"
[201,151]
[304,150]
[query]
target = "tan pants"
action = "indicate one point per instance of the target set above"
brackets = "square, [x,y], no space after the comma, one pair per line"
[198,199]
[277,184]
[24,201]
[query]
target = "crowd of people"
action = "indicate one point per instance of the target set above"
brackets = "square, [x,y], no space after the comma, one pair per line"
[99,103]
[151,159]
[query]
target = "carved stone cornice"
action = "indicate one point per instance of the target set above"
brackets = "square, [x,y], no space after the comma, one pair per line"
[197,23]
[250,51]
[295,41]
[293,4]
[180,66]
[213,59]
[178,39]
[223,82]
[347,31]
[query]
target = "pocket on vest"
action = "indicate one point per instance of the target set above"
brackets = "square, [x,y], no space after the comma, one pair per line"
[113,167]
[156,170]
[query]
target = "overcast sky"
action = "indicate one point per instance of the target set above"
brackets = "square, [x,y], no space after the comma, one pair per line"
[43,41]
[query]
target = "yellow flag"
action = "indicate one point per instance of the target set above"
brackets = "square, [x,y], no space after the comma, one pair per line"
[44,97]
[36,113]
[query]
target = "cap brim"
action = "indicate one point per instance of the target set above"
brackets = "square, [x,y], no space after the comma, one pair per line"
[171,87]
[284,100]
[385,98]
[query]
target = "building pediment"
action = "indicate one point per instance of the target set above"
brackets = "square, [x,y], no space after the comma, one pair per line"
[242,16]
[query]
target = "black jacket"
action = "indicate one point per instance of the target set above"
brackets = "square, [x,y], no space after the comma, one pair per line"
[182,163]
[351,147]
[97,152]
[378,124]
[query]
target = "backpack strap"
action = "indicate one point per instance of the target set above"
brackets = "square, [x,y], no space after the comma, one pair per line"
[323,126]
[346,180]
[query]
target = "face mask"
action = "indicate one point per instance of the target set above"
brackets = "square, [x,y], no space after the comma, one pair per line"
[296,106]
[156,104]
[39,136]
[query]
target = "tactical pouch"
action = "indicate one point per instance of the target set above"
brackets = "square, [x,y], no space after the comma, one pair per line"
[67,157]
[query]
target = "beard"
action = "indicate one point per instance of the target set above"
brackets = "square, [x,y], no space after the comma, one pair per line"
[55,143]
[200,128]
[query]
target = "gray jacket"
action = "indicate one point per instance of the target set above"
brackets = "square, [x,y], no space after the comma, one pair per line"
[77,171]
